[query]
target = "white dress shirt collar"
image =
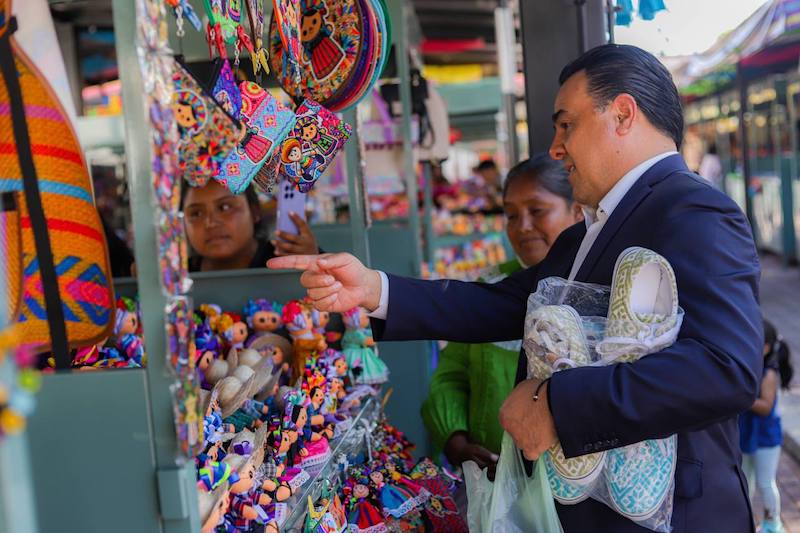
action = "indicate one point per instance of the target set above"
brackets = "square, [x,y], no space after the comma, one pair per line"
[612,199]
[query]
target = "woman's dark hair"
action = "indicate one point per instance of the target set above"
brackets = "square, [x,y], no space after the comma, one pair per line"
[779,354]
[545,172]
[614,69]
[250,195]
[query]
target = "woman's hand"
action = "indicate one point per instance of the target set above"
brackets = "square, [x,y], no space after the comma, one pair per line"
[459,450]
[290,244]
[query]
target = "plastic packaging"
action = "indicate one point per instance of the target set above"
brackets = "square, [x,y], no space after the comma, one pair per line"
[571,324]
[514,502]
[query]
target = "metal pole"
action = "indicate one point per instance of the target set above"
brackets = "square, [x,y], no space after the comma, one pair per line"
[611,11]
[507,61]
[746,170]
[430,247]
[778,121]
[174,479]
[397,8]
[358,205]
[580,6]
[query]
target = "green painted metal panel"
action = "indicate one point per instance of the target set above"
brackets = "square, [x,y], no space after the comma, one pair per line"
[479,97]
[92,454]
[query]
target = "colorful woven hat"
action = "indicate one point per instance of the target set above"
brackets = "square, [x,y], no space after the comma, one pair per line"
[67,297]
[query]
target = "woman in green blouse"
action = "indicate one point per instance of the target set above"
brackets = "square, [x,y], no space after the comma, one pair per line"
[473,380]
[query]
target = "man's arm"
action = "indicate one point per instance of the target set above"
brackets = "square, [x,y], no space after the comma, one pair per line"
[711,373]
[455,310]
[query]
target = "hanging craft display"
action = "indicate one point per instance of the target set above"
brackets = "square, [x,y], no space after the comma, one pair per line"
[259,55]
[208,134]
[176,103]
[331,38]
[226,90]
[310,148]
[66,293]
[267,122]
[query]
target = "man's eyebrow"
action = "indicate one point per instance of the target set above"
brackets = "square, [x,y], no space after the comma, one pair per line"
[557,114]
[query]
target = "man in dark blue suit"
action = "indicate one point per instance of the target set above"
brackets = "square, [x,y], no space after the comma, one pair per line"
[618,125]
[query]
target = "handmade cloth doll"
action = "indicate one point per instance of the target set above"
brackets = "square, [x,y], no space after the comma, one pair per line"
[396,500]
[231,328]
[212,507]
[297,318]
[213,474]
[440,509]
[246,499]
[317,420]
[207,350]
[280,441]
[315,445]
[263,317]
[358,345]
[127,331]
[281,352]
[364,514]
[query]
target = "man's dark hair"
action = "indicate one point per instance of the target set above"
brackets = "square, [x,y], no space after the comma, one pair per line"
[543,171]
[614,69]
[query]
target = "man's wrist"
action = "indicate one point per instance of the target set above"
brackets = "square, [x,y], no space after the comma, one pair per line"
[373,299]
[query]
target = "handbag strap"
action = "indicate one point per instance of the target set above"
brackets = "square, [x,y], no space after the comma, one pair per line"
[33,201]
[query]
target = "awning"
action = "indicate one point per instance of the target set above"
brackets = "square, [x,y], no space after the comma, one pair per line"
[776,23]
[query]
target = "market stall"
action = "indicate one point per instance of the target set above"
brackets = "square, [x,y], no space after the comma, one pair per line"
[140,429]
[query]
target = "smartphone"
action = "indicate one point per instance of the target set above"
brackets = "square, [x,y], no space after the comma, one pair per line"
[290,200]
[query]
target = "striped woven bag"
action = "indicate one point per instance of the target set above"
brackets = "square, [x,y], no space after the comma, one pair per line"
[66,294]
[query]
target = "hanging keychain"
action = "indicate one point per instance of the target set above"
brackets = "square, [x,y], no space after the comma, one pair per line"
[258,55]
[183,9]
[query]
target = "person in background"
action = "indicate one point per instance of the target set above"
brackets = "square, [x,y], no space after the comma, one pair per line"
[472,380]
[222,229]
[760,431]
[711,167]
[485,187]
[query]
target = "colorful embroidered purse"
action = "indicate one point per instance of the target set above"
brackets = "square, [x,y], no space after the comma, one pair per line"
[267,122]
[310,148]
[66,292]
[330,50]
[226,91]
[207,133]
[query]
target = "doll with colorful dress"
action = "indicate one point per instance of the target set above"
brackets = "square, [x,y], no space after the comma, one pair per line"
[207,350]
[231,328]
[297,317]
[247,501]
[358,345]
[364,514]
[316,447]
[127,334]
[396,500]
[280,441]
[263,316]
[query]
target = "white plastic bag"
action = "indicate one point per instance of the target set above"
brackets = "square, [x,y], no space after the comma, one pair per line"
[514,503]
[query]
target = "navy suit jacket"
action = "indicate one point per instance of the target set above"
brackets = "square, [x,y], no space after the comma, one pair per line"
[695,388]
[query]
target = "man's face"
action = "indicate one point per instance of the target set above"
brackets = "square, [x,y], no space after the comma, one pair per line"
[584,140]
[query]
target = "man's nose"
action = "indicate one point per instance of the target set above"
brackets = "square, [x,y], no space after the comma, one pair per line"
[556,150]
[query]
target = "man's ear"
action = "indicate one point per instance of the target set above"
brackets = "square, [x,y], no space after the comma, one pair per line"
[624,110]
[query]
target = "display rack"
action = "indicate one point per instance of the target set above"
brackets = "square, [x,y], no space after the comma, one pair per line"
[110,435]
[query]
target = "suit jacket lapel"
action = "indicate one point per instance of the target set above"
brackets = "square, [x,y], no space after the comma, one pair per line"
[640,190]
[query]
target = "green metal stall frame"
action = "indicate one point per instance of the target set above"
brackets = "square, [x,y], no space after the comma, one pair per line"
[102,445]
